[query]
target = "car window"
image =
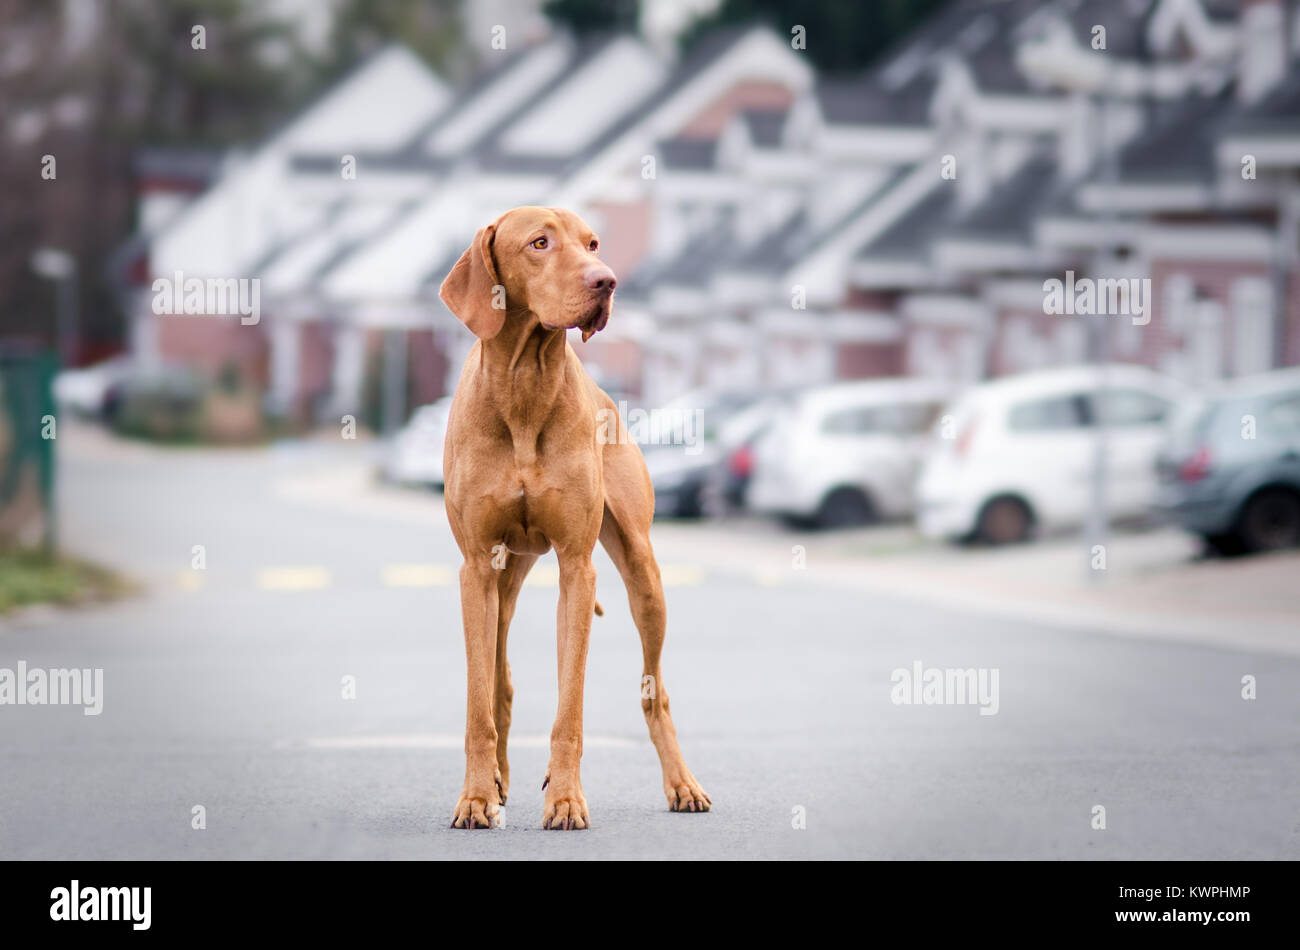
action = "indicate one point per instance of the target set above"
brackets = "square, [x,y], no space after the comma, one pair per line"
[1283,416]
[1191,416]
[922,416]
[1131,407]
[1056,412]
[900,418]
[854,421]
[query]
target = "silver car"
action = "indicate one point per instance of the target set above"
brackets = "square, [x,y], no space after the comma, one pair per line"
[1230,469]
[414,456]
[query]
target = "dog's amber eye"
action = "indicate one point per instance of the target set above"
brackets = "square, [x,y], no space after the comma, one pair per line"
[593,245]
[540,244]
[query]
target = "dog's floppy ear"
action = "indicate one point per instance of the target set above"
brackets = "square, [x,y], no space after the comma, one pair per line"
[472,290]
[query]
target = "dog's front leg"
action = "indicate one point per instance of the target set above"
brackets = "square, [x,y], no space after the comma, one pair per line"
[479,804]
[566,808]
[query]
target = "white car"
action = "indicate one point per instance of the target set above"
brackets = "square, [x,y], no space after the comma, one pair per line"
[414,457]
[846,454]
[87,391]
[1015,455]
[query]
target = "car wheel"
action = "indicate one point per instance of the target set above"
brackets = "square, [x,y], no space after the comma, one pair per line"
[690,502]
[1270,520]
[844,508]
[713,501]
[1004,521]
[1223,545]
[682,503]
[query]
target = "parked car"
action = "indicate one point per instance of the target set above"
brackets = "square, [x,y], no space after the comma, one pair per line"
[679,478]
[414,456]
[86,392]
[845,454]
[164,402]
[1230,468]
[727,484]
[681,458]
[1015,455]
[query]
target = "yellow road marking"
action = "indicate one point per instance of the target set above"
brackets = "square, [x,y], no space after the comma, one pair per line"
[673,575]
[423,575]
[543,575]
[448,741]
[416,575]
[681,575]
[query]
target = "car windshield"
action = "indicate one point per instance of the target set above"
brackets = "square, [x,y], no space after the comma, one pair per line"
[1190,415]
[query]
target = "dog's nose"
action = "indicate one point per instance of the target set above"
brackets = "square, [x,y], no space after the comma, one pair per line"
[601,279]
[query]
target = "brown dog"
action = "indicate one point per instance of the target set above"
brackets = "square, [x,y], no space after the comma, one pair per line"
[537,458]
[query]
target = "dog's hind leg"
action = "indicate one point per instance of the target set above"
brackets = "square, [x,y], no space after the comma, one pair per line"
[627,540]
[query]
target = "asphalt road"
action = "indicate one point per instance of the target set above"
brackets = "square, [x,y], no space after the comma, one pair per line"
[223,688]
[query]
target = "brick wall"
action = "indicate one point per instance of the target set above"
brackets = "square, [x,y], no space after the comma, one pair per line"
[709,122]
[868,360]
[1171,334]
[428,366]
[625,234]
[209,343]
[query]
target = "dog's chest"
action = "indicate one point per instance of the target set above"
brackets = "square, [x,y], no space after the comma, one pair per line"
[531,498]
[553,458]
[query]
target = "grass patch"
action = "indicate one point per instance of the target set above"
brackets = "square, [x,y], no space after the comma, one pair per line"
[30,577]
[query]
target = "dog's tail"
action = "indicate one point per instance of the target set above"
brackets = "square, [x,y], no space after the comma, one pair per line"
[600,612]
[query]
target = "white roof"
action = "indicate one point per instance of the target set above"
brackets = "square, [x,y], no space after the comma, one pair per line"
[396,263]
[252,208]
[536,69]
[1069,379]
[292,270]
[1261,384]
[381,106]
[587,101]
[875,391]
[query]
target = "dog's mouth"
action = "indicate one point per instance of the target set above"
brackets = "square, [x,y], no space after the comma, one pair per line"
[591,322]
[595,321]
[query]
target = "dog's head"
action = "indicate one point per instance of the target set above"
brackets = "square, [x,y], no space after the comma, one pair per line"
[543,261]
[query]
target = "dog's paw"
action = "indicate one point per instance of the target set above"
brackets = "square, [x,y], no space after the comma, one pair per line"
[685,794]
[503,784]
[565,812]
[476,813]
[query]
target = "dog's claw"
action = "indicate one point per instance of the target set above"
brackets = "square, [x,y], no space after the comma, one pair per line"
[566,814]
[687,796]
[475,813]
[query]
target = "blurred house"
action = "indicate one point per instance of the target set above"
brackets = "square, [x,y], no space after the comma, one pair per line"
[772,228]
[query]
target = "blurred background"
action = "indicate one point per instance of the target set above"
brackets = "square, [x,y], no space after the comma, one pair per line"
[885,202]
[835,226]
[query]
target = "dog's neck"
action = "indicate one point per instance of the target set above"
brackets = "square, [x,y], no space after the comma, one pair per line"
[524,366]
